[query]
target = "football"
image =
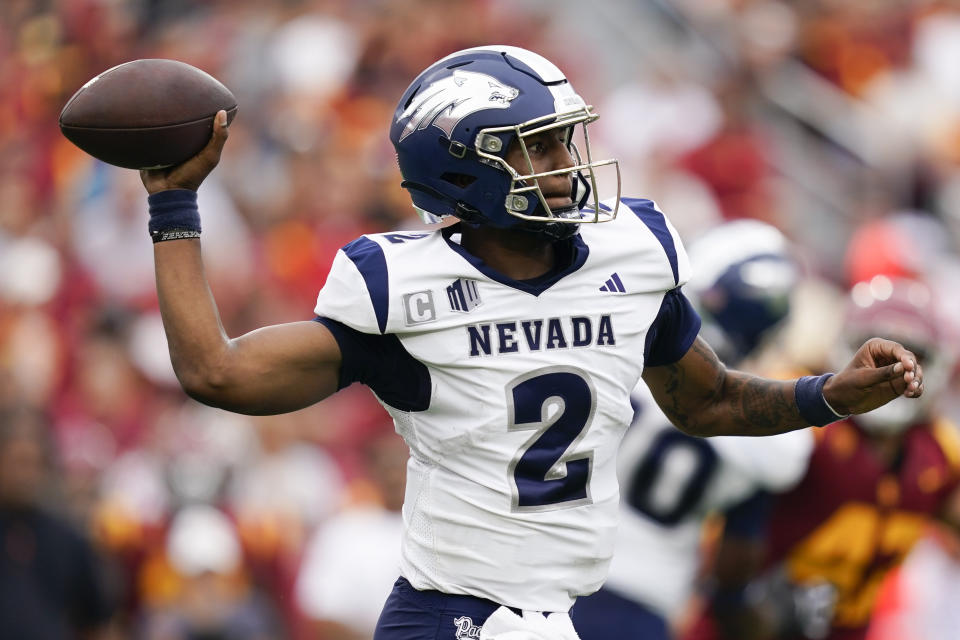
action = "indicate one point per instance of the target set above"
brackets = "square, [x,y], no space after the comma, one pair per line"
[146,114]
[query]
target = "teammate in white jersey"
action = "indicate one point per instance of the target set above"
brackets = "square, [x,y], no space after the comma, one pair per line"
[743,277]
[505,347]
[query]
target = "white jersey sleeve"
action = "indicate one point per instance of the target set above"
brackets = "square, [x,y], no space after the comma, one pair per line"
[347,296]
[674,265]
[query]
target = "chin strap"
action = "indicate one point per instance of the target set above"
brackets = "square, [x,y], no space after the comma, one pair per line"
[554,230]
[468,214]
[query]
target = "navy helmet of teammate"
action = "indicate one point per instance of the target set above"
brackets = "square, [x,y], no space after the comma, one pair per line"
[456,122]
[744,274]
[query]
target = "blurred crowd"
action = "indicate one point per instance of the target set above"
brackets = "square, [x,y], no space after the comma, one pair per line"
[838,121]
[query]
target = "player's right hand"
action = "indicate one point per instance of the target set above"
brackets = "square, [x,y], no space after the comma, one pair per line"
[190,174]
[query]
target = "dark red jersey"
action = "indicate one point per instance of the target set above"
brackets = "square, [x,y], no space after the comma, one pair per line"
[855,516]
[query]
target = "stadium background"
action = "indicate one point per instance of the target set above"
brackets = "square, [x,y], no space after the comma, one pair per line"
[838,121]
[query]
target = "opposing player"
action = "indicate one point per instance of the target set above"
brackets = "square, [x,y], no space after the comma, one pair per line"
[743,277]
[873,483]
[505,347]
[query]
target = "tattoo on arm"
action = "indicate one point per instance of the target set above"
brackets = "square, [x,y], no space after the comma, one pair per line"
[760,406]
[705,398]
[678,382]
[674,409]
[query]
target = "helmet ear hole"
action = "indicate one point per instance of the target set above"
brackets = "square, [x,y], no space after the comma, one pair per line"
[461,180]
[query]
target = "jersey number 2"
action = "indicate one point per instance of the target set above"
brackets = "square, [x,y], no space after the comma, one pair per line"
[559,403]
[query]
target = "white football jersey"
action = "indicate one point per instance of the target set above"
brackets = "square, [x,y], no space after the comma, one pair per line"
[512,396]
[670,483]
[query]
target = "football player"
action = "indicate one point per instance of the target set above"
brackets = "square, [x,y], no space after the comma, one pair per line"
[743,278]
[504,346]
[873,483]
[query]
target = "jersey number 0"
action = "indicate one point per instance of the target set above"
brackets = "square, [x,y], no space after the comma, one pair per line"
[558,403]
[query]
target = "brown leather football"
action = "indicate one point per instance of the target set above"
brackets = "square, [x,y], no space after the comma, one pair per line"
[146,114]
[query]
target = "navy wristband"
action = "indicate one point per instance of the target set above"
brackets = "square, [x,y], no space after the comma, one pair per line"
[812,405]
[174,214]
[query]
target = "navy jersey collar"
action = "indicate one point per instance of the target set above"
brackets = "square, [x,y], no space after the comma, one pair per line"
[571,254]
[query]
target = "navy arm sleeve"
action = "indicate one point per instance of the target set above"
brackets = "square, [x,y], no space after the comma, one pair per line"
[380,362]
[673,331]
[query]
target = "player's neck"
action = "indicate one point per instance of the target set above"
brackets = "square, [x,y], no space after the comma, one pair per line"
[515,254]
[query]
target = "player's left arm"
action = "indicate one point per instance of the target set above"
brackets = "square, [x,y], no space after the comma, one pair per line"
[703,397]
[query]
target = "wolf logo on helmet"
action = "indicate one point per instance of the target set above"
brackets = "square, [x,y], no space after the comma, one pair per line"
[448,101]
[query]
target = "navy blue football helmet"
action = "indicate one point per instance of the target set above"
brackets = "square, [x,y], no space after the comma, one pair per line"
[455,123]
[743,277]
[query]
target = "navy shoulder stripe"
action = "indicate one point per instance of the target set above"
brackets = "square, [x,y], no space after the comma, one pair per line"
[368,256]
[655,221]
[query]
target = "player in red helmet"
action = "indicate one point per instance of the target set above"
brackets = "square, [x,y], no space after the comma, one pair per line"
[873,482]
